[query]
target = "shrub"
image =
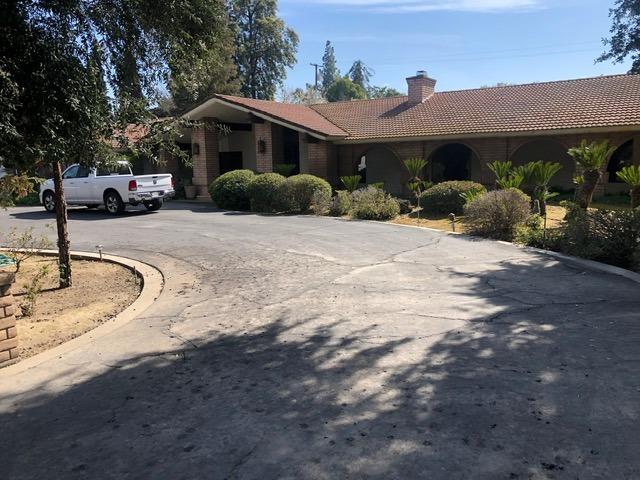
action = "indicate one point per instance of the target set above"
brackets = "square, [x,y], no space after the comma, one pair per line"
[231,190]
[497,214]
[263,192]
[405,205]
[340,204]
[321,202]
[285,169]
[296,193]
[351,182]
[371,203]
[446,197]
[610,236]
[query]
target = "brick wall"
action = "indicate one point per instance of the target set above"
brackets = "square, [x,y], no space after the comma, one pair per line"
[8,331]
[323,160]
[206,163]
[263,133]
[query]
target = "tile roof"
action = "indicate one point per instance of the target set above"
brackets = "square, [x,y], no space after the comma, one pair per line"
[610,101]
[301,115]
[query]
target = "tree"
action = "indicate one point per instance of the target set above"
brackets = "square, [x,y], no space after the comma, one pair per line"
[591,158]
[383,92]
[631,176]
[345,89]
[329,69]
[73,72]
[307,96]
[265,47]
[625,34]
[415,167]
[360,74]
[541,174]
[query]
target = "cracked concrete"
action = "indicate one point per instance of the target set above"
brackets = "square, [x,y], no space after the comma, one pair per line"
[302,347]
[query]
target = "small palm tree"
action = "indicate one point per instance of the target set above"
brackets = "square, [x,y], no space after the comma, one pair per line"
[631,176]
[351,182]
[540,176]
[591,158]
[416,184]
[512,180]
[501,171]
[527,171]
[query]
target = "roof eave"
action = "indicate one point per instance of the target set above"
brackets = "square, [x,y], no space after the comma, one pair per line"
[510,134]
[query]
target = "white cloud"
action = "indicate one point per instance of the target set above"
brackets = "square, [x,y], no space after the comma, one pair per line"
[412,6]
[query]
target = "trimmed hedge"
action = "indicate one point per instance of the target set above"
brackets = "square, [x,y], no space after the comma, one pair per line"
[263,192]
[498,214]
[231,190]
[296,194]
[446,197]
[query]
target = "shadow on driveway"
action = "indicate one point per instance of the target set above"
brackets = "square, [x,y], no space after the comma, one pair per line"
[546,389]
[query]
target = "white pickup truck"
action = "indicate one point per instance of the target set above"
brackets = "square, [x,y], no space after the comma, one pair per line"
[114,186]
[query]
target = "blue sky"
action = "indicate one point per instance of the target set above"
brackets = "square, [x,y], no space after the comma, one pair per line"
[461,43]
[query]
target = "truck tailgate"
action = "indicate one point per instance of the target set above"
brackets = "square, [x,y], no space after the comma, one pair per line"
[153,183]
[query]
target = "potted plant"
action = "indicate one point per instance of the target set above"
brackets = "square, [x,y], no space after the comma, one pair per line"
[190,190]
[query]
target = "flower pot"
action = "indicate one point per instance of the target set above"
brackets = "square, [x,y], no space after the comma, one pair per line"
[190,192]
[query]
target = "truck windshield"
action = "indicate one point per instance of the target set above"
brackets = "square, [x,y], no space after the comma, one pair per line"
[107,170]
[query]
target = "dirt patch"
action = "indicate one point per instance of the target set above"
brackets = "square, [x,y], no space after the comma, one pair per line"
[100,291]
[555,215]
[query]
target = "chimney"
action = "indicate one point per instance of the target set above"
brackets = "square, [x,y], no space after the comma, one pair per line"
[421,87]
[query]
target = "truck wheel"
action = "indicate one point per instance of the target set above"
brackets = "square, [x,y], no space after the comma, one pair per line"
[113,202]
[49,201]
[153,205]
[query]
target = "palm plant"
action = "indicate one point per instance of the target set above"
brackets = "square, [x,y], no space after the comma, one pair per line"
[541,174]
[527,171]
[631,176]
[416,184]
[591,158]
[512,180]
[501,171]
[351,182]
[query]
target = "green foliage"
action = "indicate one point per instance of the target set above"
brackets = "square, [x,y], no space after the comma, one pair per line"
[360,74]
[610,236]
[23,244]
[501,170]
[447,197]
[625,37]
[497,214]
[471,195]
[297,192]
[630,175]
[415,167]
[344,89]
[263,192]
[371,203]
[13,188]
[329,69]
[351,182]
[513,180]
[321,202]
[591,158]
[284,169]
[231,190]
[33,290]
[540,175]
[340,204]
[383,92]
[265,46]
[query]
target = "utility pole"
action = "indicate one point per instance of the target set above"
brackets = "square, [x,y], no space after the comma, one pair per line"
[316,65]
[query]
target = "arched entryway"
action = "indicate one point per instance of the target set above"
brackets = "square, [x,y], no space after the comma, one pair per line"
[547,150]
[621,157]
[381,165]
[453,161]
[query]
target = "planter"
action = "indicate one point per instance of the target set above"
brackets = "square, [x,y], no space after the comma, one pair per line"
[8,332]
[190,192]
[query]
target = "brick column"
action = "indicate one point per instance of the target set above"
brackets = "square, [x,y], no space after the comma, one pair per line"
[264,146]
[322,160]
[8,331]
[206,163]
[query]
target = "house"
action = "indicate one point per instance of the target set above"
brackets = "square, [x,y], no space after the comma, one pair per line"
[458,132]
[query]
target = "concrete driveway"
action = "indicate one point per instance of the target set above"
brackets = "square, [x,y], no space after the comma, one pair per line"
[318,348]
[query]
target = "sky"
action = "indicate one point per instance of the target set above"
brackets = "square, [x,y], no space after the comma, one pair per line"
[461,43]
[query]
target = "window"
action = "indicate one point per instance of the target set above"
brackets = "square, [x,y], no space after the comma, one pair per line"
[71,172]
[108,170]
[83,172]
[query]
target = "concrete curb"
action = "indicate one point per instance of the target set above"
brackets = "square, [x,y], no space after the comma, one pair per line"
[152,285]
[581,262]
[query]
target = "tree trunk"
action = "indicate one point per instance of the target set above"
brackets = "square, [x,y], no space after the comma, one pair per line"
[64,257]
[635,197]
[591,178]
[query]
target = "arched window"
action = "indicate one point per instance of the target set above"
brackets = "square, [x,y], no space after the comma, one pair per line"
[452,162]
[548,150]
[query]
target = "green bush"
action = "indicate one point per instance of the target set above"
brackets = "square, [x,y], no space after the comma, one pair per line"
[263,192]
[321,202]
[297,192]
[405,206]
[497,214]
[371,203]
[610,236]
[231,190]
[340,204]
[447,197]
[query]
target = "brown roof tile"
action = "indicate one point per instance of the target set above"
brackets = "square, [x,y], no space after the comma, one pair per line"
[571,104]
[301,115]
